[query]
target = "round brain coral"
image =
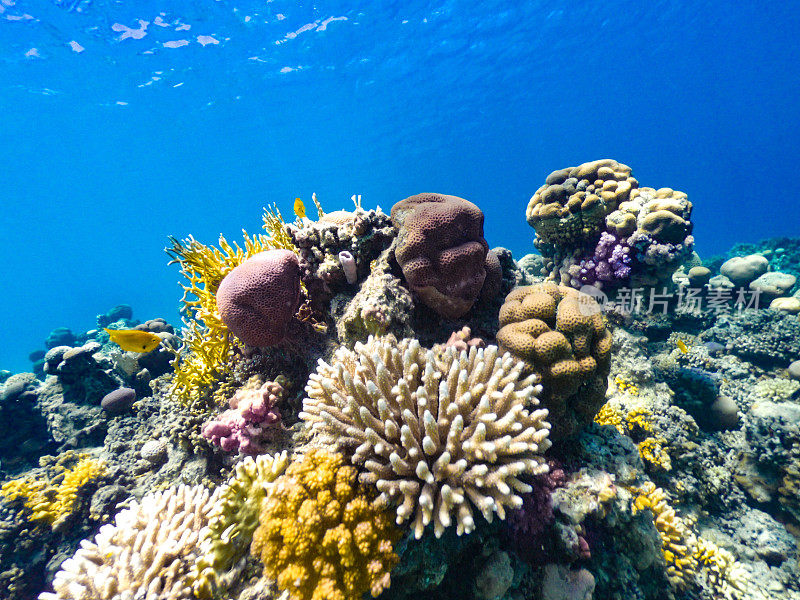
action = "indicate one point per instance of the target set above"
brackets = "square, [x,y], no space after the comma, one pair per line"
[321,536]
[442,251]
[258,299]
[560,334]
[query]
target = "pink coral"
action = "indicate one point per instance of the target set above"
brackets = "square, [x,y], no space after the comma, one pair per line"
[252,416]
[258,299]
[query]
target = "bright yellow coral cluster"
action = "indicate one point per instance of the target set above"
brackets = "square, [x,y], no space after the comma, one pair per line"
[685,553]
[623,385]
[651,448]
[51,500]
[321,537]
[204,357]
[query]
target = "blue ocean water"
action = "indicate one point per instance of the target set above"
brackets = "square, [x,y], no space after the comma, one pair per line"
[124,122]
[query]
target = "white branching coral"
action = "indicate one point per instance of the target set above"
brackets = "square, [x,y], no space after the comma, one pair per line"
[437,431]
[145,554]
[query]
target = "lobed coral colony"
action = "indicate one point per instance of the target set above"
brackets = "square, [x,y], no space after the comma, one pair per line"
[361,403]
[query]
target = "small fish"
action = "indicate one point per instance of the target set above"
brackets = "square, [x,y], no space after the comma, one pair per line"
[681,346]
[134,340]
[299,208]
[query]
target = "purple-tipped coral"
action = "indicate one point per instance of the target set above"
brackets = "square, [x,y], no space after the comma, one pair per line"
[249,422]
[609,266]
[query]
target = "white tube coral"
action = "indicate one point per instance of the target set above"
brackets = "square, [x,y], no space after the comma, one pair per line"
[437,431]
[146,554]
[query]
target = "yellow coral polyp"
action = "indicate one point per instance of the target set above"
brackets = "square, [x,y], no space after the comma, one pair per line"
[50,501]
[623,385]
[343,551]
[652,452]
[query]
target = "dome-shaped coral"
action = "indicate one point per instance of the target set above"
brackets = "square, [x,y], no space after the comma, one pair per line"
[560,334]
[257,299]
[442,251]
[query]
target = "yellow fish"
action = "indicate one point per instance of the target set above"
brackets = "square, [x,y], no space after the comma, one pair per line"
[133,340]
[681,346]
[299,208]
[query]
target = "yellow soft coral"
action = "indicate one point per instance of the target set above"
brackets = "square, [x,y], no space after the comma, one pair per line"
[685,553]
[321,536]
[52,500]
[205,356]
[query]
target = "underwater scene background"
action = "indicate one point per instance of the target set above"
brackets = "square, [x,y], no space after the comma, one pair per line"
[515,314]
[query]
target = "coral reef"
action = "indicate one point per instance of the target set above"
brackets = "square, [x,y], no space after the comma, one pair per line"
[561,336]
[379,402]
[320,535]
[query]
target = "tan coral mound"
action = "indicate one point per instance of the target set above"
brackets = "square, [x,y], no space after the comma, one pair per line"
[560,335]
[321,536]
[573,203]
[437,431]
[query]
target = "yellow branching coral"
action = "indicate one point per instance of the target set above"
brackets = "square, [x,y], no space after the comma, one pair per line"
[51,501]
[234,518]
[321,537]
[204,357]
[652,452]
[275,227]
[677,539]
[685,553]
[608,415]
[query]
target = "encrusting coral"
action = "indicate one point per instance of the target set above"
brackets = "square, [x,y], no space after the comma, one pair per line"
[51,500]
[437,431]
[225,543]
[321,536]
[146,553]
[560,335]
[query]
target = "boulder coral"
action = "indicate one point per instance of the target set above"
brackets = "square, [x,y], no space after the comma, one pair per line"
[258,298]
[437,431]
[441,250]
[560,335]
[320,534]
[596,226]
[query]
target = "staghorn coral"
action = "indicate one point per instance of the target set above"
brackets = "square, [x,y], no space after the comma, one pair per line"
[560,335]
[379,402]
[51,501]
[146,553]
[225,543]
[205,353]
[320,536]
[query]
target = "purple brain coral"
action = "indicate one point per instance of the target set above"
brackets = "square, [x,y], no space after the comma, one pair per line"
[441,250]
[258,299]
